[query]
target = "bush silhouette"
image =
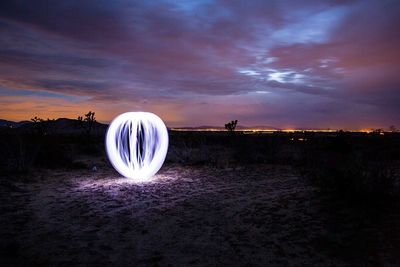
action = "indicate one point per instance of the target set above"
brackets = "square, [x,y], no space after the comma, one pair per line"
[87,123]
[231,126]
[42,127]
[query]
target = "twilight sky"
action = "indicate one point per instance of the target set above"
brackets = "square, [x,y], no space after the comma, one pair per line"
[282,63]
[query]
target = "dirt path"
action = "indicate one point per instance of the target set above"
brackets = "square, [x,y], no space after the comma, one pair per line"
[259,215]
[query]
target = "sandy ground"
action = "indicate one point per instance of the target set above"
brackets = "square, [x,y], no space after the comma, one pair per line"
[254,216]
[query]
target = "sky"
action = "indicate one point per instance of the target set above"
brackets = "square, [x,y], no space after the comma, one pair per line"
[288,64]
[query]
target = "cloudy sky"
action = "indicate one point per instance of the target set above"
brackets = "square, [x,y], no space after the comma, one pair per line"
[282,63]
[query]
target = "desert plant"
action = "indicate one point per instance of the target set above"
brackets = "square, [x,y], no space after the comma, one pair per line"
[43,127]
[38,126]
[87,123]
[18,153]
[352,171]
[231,126]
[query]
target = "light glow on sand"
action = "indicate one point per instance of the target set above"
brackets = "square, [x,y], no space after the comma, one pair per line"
[137,144]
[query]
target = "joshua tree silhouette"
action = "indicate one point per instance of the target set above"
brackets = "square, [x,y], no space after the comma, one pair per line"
[43,127]
[87,122]
[231,126]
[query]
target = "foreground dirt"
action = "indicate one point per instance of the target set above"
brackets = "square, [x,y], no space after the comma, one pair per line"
[254,216]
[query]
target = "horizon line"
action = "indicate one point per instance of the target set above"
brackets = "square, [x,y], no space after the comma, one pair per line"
[244,128]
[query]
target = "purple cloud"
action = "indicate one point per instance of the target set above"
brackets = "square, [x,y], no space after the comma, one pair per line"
[284,63]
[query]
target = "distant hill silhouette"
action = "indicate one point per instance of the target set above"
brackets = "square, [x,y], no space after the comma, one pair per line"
[58,126]
[71,126]
[13,124]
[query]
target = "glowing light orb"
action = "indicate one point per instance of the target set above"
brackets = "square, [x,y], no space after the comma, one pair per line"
[136,144]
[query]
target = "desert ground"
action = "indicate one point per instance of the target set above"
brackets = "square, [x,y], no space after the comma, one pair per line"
[256,215]
[220,199]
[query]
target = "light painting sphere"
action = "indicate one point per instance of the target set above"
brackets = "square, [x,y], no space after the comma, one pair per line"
[137,144]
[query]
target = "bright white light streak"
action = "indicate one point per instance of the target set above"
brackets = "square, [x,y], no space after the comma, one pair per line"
[136,144]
